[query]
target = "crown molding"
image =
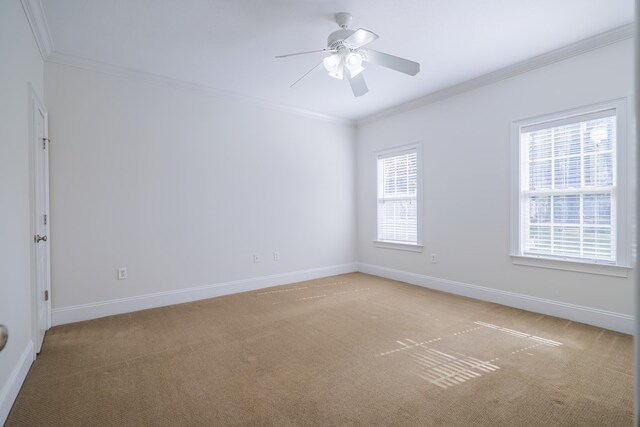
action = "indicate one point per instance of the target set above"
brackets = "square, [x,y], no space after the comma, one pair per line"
[38,22]
[156,79]
[35,14]
[592,43]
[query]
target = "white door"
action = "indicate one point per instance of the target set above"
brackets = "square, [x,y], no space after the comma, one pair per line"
[40,173]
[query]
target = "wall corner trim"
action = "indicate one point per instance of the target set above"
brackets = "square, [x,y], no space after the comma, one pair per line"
[583,46]
[605,319]
[37,20]
[77,313]
[9,392]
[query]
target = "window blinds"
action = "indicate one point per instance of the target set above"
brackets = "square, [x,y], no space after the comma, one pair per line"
[397,197]
[568,188]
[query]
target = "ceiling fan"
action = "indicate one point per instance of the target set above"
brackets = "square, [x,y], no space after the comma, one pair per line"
[347,55]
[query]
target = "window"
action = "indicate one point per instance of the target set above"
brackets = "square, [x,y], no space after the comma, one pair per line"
[399,212]
[570,200]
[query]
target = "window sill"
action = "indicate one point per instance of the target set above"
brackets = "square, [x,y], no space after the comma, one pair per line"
[410,247]
[570,265]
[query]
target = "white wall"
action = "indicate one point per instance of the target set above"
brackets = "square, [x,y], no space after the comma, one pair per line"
[183,187]
[467,181]
[21,63]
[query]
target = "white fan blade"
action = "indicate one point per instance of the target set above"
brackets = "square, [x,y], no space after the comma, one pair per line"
[304,53]
[390,61]
[305,74]
[360,38]
[358,85]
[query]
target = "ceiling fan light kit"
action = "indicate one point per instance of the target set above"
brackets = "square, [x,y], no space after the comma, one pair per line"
[347,54]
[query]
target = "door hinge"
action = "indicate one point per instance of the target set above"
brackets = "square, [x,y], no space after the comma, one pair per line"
[44,143]
[46,295]
[44,218]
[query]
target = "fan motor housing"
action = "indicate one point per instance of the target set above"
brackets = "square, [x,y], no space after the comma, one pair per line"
[335,39]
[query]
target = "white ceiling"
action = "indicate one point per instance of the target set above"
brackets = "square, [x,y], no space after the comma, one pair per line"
[230,45]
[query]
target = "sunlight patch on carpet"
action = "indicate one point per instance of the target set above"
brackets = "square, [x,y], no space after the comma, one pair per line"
[446,370]
[520,334]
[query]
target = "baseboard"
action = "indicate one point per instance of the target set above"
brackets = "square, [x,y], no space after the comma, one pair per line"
[77,313]
[11,388]
[605,319]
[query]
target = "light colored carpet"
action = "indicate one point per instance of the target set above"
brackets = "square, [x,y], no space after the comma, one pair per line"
[344,350]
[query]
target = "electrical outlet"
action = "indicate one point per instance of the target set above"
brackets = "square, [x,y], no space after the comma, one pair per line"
[256,258]
[276,256]
[434,259]
[122,273]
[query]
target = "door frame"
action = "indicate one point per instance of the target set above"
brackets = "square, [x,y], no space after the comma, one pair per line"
[37,107]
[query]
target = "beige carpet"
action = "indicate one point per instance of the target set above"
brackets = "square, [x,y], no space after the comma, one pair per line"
[344,350]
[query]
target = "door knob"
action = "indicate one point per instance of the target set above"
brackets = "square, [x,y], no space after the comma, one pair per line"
[38,238]
[4,336]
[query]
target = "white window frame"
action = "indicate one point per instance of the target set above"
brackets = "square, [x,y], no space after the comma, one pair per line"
[620,267]
[390,152]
